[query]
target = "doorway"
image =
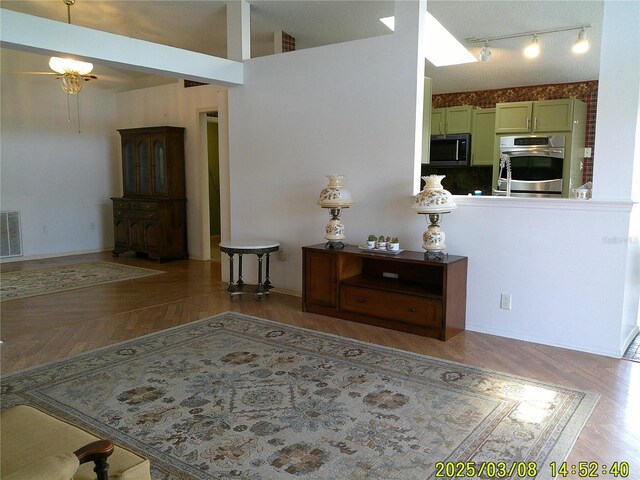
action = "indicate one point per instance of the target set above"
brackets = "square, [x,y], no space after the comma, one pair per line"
[213,157]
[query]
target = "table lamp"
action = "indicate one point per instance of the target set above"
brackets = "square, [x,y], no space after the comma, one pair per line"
[335,197]
[433,201]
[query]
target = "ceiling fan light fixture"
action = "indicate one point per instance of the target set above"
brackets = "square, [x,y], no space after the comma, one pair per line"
[533,49]
[71,83]
[68,65]
[582,44]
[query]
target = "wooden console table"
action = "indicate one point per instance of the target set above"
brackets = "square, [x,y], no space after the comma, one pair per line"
[402,292]
[258,248]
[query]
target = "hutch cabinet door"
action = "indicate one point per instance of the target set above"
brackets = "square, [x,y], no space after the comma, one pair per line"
[152,236]
[121,229]
[159,165]
[128,167]
[144,167]
[320,278]
[136,235]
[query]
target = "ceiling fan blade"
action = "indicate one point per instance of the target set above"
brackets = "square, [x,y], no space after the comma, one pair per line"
[35,73]
[111,78]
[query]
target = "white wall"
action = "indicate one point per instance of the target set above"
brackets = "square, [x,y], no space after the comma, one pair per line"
[618,128]
[350,109]
[58,179]
[564,263]
[177,106]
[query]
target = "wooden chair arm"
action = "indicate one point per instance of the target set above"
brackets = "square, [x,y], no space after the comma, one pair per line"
[96,452]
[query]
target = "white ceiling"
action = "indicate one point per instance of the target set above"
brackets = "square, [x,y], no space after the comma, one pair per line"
[201,26]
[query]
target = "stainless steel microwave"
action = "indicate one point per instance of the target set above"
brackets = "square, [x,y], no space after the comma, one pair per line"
[450,150]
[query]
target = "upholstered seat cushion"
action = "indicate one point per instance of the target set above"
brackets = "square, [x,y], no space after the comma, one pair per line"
[53,467]
[30,436]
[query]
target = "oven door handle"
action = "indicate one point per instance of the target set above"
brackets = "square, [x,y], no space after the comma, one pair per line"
[551,152]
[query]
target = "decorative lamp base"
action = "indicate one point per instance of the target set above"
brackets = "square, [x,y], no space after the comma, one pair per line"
[429,255]
[334,231]
[433,238]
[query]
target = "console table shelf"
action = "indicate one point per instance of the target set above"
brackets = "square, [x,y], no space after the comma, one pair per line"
[402,292]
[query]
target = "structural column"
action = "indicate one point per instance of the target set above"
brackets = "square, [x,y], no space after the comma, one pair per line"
[238,30]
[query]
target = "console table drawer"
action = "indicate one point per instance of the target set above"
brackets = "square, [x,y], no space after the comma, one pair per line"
[392,306]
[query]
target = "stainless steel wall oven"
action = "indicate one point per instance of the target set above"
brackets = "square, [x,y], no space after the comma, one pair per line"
[536,166]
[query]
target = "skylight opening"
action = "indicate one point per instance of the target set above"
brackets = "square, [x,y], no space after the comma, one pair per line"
[442,48]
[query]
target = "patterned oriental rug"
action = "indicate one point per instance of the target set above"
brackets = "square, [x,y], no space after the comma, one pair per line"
[234,396]
[29,283]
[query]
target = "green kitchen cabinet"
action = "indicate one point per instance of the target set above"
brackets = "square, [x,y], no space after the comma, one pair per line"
[451,120]
[513,117]
[458,119]
[533,117]
[483,136]
[553,115]
[438,121]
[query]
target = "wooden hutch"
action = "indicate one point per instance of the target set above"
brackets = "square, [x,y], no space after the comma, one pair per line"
[151,218]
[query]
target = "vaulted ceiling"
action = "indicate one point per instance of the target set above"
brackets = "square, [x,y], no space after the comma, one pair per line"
[201,26]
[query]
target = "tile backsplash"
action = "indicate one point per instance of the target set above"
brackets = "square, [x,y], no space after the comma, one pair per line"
[462,180]
[585,91]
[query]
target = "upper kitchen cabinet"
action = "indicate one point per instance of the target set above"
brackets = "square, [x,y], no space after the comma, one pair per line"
[483,136]
[153,161]
[451,120]
[533,117]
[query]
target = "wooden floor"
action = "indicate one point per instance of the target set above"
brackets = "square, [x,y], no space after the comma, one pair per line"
[40,329]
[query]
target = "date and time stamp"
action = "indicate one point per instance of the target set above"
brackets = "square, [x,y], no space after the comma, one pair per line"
[531,470]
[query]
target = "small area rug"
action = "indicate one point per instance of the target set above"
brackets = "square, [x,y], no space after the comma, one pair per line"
[633,351]
[29,283]
[234,396]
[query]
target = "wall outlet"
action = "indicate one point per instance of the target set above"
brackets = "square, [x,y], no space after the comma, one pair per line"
[92,226]
[587,152]
[44,229]
[505,301]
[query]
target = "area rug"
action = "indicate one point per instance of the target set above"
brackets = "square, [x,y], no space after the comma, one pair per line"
[633,351]
[29,283]
[234,396]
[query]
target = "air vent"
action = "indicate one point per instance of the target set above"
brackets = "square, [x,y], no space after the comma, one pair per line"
[10,236]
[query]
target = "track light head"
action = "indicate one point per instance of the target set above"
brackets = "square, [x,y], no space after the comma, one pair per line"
[582,44]
[533,49]
[485,54]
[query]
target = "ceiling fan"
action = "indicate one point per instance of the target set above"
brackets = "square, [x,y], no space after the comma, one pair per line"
[71,73]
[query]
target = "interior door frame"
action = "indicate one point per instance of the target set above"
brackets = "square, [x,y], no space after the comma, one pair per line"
[225,194]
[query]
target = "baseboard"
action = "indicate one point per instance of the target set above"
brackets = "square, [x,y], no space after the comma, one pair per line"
[542,341]
[286,291]
[52,255]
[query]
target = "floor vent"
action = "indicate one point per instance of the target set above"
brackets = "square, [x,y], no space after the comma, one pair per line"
[10,236]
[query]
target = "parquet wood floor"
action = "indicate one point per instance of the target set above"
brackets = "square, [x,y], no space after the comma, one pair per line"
[40,329]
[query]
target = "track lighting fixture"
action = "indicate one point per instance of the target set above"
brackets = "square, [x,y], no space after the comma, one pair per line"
[582,44]
[485,54]
[533,49]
